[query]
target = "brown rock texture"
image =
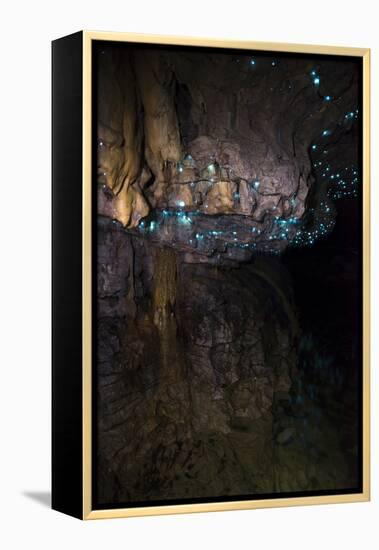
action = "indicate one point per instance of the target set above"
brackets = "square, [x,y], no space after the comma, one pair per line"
[197,366]
[220,134]
[227,351]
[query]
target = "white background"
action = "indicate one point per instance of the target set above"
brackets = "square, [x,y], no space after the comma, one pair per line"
[26,31]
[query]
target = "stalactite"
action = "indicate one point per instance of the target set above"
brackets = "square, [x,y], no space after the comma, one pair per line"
[120,138]
[161,150]
[164,298]
[131,305]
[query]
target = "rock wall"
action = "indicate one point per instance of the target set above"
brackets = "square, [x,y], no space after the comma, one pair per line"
[198,383]
[212,167]
[187,137]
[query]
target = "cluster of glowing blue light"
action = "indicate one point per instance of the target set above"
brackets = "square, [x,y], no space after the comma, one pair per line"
[342,183]
[317,223]
[352,115]
[183,217]
[195,237]
[322,226]
[253,62]
[315,78]
[152,226]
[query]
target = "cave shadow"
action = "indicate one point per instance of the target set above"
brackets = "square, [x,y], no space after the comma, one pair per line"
[41,497]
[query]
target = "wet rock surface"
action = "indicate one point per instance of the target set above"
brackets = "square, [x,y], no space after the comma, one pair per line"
[200,390]
[249,145]
[228,274]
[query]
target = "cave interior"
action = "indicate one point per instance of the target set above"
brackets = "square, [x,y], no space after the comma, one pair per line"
[228,264]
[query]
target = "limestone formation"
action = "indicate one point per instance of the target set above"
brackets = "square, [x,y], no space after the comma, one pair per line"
[215,135]
[226,350]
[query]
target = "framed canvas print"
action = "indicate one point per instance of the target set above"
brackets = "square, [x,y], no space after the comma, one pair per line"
[210,275]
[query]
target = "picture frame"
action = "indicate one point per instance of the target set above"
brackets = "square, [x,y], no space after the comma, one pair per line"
[80,448]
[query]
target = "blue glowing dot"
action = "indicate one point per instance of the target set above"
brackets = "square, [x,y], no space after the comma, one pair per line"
[316,80]
[327,98]
[273,63]
[313,73]
[252,62]
[181,203]
[256,184]
[314,147]
[326,133]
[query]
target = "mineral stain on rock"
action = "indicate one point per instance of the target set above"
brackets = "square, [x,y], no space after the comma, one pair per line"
[227,361]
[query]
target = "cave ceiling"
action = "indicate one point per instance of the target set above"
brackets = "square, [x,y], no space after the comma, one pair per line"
[223,155]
